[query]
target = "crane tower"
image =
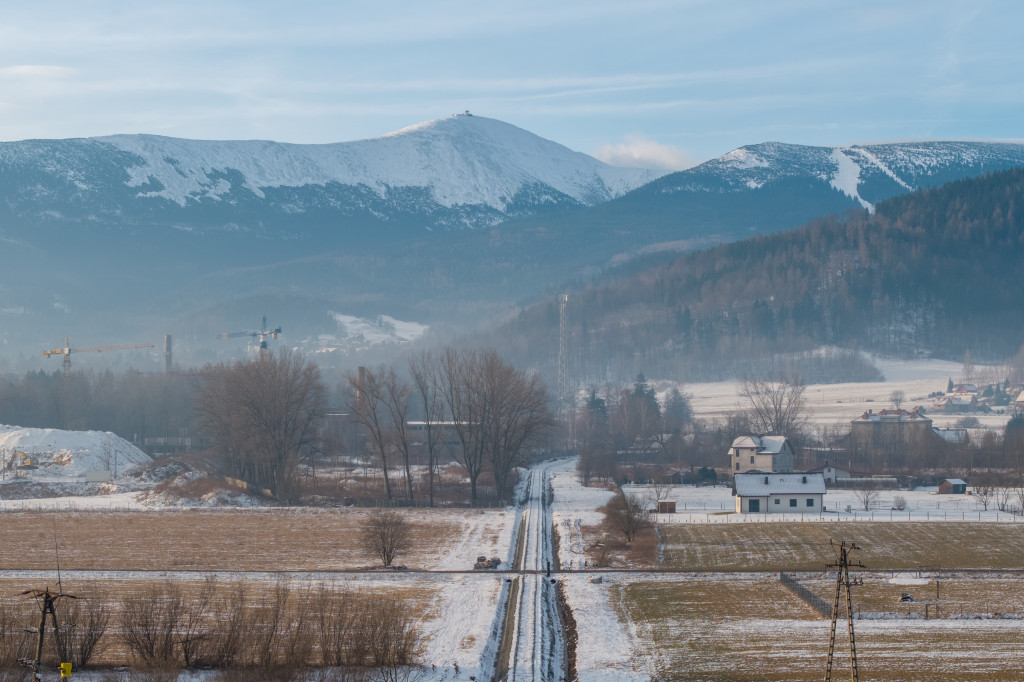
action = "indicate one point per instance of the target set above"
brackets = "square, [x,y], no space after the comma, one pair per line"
[68,349]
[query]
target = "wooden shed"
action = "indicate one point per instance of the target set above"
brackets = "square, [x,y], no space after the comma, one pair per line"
[953,486]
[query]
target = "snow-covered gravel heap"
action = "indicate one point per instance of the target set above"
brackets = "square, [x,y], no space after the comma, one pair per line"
[70,454]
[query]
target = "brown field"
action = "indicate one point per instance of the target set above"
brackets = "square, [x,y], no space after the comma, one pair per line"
[235,540]
[748,627]
[805,546]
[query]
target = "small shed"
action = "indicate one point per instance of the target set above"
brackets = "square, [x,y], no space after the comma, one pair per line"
[953,486]
[666,507]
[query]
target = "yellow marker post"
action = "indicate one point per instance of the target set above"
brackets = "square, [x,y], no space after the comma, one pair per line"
[65,670]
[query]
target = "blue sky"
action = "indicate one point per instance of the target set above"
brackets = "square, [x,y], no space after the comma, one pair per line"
[647,82]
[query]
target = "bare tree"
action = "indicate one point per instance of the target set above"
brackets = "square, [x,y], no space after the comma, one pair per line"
[424,371]
[385,535]
[84,622]
[866,496]
[462,394]
[968,368]
[984,493]
[777,405]
[396,401]
[659,490]
[367,407]
[628,515]
[516,416]
[496,411]
[261,417]
[897,397]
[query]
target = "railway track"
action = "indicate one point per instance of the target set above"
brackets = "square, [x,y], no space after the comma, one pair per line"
[532,645]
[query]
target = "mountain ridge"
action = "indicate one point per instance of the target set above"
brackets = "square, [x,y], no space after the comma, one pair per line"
[446,165]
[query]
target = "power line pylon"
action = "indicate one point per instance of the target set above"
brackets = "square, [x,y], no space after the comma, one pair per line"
[842,551]
[47,601]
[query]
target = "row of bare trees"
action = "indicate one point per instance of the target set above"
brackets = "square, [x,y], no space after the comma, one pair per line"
[228,627]
[488,412]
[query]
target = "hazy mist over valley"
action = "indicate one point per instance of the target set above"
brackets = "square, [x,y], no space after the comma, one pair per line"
[519,341]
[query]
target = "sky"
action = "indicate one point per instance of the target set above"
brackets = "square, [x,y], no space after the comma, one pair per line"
[654,83]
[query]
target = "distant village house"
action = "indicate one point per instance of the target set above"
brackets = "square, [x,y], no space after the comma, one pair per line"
[776,493]
[761,453]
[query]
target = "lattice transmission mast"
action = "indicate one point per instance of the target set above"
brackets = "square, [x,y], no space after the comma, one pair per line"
[843,564]
[563,370]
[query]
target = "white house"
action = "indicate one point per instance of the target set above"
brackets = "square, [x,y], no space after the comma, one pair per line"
[761,453]
[779,493]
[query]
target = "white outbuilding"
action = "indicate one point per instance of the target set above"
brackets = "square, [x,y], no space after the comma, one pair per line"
[767,493]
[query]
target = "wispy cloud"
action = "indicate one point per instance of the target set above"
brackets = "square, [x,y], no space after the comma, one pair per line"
[637,151]
[35,72]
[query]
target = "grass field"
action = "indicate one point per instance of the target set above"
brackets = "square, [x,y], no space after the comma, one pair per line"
[236,540]
[750,627]
[805,546]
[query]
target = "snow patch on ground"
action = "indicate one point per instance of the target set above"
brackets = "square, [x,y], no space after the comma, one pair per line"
[604,650]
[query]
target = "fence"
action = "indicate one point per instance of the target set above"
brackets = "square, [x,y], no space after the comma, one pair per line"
[815,602]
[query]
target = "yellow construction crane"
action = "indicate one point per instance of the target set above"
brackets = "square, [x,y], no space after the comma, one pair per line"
[67,350]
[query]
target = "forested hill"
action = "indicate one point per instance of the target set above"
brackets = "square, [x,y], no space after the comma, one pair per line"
[937,271]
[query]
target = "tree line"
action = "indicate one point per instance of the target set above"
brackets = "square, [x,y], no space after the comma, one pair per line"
[934,270]
[472,405]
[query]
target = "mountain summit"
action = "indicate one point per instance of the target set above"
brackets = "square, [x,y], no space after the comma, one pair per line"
[461,171]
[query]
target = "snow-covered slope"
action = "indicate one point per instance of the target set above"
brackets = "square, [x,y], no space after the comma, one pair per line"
[463,159]
[461,171]
[865,174]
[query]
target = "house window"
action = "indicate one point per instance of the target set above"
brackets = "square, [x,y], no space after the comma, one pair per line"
[751,459]
[792,502]
[810,501]
[737,466]
[777,500]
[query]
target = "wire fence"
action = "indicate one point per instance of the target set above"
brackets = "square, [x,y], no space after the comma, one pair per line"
[815,602]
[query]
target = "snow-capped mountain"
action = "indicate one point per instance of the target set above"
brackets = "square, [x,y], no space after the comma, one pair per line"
[773,186]
[130,237]
[864,173]
[461,171]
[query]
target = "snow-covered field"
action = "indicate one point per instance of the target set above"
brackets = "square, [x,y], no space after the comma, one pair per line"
[830,404]
[716,504]
[605,650]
